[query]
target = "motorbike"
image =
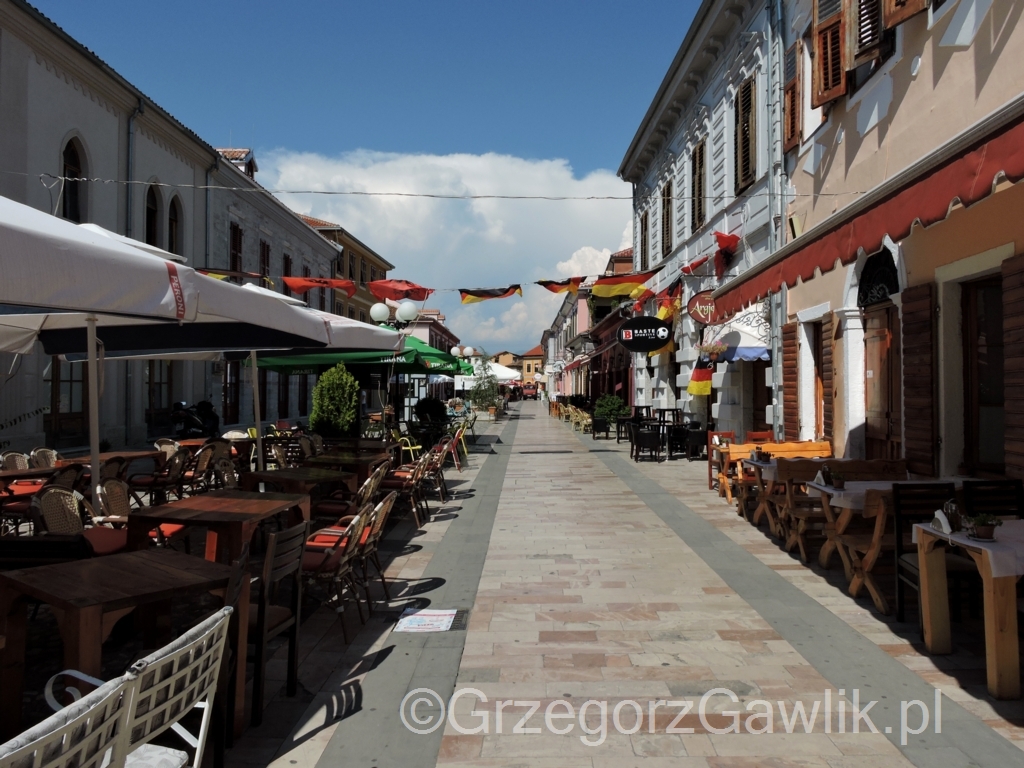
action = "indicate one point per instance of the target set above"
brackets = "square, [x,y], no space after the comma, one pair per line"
[199,420]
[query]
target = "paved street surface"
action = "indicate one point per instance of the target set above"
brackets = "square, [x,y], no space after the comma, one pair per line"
[624,590]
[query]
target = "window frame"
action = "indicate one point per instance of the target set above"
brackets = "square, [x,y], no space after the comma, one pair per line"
[264,258]
[174,226]
[792,98]
[73,192]
[745,135]
[286,271]
[151,218]
[236,239]
[823,89]
[667,219]
[698,186]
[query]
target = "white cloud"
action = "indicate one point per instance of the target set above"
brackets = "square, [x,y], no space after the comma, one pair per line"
[483,243]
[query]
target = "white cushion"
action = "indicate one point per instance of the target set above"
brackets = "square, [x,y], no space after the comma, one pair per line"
[153,756]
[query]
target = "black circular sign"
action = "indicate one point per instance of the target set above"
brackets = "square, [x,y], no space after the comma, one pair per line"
[644,334]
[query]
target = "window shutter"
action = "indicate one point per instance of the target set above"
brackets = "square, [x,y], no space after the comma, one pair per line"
[829,81]
[790,386]
[919,374]
[864,32]
[697,201]
[827,379]
[793,97]
[1013,364]
[745,136]
[666,219]
[897,11]
[643,241]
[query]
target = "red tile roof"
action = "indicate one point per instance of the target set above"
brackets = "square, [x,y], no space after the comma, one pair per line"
[234,154]
[318,223]
[537,351]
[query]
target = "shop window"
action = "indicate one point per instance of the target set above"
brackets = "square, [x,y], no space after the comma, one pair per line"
[984,410]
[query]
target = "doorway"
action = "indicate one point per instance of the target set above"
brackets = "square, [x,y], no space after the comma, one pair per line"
[67,423]
[984,412]
[158,402]
[882,382]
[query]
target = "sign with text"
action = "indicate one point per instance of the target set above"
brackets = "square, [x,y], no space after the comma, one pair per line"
[701,307]
[644,334]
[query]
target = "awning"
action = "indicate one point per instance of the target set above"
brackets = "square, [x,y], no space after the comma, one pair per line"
[575,364]
[965,169]
[746,335]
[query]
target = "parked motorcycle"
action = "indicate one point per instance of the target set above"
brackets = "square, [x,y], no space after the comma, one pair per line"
[199,420]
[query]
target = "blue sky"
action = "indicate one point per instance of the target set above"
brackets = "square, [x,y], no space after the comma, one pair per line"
[423,96]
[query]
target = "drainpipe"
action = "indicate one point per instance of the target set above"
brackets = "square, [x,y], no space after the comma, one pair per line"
[128,233]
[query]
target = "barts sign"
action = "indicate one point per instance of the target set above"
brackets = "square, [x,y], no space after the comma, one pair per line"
[644,334]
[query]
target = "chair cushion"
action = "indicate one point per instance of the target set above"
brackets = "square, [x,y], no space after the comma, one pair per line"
[106,541]
[168,530]
[276,615]
[25,487]
[155,756]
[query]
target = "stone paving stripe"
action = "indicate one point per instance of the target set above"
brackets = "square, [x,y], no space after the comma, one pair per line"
[839,653]
[375,736]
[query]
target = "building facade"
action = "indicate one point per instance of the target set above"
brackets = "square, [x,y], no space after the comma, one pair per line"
[79,141]
[533,366]
[706,168]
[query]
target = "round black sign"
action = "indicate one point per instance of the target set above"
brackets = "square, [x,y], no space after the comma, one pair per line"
[644,334]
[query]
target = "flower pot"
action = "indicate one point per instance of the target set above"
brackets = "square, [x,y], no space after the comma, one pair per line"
[712,356]
[984,531]
[838,483]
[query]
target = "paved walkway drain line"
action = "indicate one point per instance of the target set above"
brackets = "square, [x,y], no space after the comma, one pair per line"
[837,651]
[375,736]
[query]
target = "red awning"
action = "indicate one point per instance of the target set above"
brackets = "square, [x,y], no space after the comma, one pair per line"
[575,364]
[925,195]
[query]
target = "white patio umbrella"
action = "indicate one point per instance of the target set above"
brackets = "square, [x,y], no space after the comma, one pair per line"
[503,373]
[94,286]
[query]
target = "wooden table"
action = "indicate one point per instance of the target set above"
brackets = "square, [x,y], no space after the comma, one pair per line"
[299,479]
[88,597]
[1001,564]
[158,456]
[230,518]
[361,464]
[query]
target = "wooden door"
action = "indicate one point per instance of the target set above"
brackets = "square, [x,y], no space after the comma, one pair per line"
[882,371]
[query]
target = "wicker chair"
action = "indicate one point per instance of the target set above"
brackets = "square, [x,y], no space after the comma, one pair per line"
[330,558]
[199,472]
[43,458]
[60,511]
[166,445]
[407,483]
[116,502]
[225,475]
[165,480]
[368,549]
[13,460]
[115,467]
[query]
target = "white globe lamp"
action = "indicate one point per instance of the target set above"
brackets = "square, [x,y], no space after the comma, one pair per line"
[380,313]
[468,351]
[456,352]
[407,312]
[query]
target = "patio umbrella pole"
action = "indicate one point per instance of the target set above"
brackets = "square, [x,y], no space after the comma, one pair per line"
[94,407]
[256,410]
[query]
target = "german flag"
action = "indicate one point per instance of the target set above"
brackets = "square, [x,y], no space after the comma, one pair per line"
[700,379]
[474,295]
[621,285]
[572,285]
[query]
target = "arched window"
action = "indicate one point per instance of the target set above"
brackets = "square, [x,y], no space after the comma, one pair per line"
[71,207]
[174,227]
[152,214]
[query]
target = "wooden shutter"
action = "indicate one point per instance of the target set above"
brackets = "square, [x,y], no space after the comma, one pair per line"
[790,382]
[829,81]
[919,375]
[827,378]
[1013,365]
[897,11]
[643,241]
[793,98]
[864,32]
[697,176]
[745,135]
[666,219]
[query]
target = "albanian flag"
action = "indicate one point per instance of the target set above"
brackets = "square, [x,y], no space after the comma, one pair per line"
[398,289]
[690,268]
[621,285]
[700,379]
[474,295]
[726,250]
[641,295]
[571,285]
[302,284]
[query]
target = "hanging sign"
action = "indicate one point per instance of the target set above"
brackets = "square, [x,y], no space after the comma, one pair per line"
[701,307]
[644,334]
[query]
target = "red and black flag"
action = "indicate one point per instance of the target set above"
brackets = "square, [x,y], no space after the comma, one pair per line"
[570,285]
[474,295]
[398,289]
[700,379]
[726,250]
[621,285]
[302,284]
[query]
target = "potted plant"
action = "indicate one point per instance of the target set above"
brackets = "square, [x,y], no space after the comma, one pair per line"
[335,403]
[838,480]
[486,391]
[712,349]
[984,526]
[607,409]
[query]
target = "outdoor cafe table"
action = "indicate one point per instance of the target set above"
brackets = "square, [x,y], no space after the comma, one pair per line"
[299,479]
[129,456]
[362,464]
[88,598]
[764,475]
[1001,564]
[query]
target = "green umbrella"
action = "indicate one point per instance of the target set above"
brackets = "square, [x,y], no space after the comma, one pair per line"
[313,363]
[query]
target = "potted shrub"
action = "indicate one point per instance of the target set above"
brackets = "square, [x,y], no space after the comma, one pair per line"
[838,480]
[335,403]
[607,409]
[486,391]
[984,526]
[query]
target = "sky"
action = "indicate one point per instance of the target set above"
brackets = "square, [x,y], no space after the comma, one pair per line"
[528,98]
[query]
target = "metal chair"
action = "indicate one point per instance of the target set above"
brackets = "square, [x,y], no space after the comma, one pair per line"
[13,460]
[165,480]
[330,557]
[60,511]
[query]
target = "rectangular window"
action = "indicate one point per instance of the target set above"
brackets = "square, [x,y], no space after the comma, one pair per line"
[351,266]
[264,258]
[897,11]
[362,316]
[643,241]
[698,202]
[339,308]
[984,377]
[667,219]
[745,135]
[829,52]
[235,252]
[362,272]
[351,312]
[283,395]
[286,271]
[373,274]
[793,98]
